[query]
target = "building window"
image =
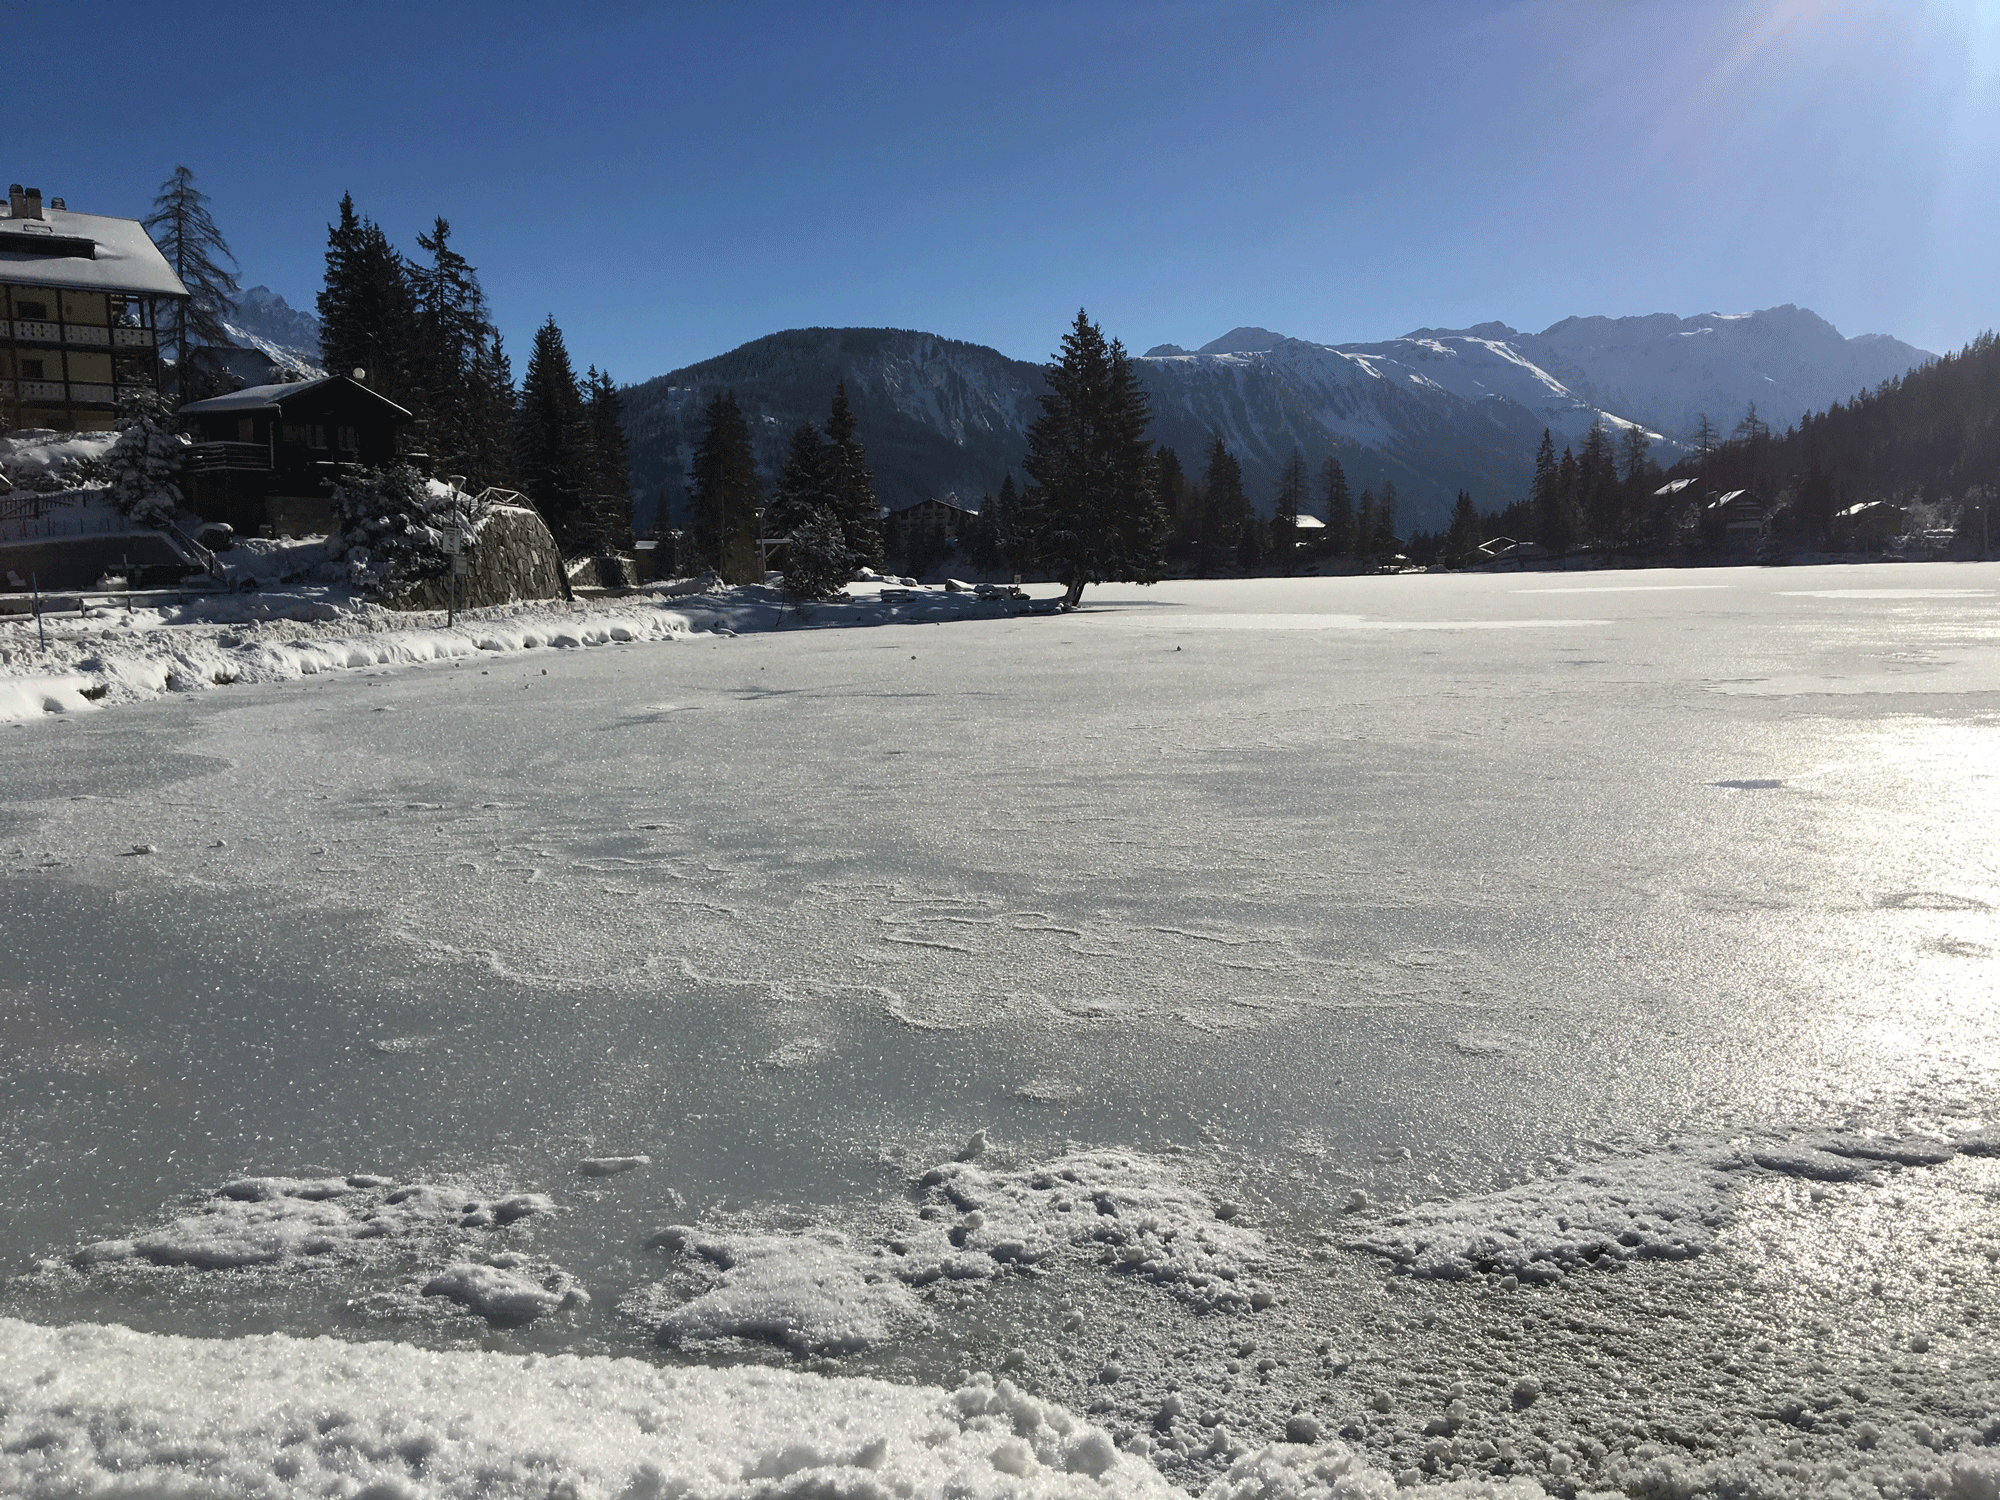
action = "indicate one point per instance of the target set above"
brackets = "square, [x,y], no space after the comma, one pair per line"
[31,369]
[36,311]
[350,440]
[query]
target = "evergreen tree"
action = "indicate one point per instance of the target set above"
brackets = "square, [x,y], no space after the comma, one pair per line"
[727,494]
[181,226]
[145,463]
[850,487]
[1387,543]
[1339,509]
[549,439]
[1006,521]
[1285,522]
[606,470]
[489,457]
[1563,529]
[1181,501]
[1600,497]
[816,557]
[367,310]
[1364,528]
[450,332]
[801,492]
[1547,500]
[1091,511]
[1463,536]
[1224,505]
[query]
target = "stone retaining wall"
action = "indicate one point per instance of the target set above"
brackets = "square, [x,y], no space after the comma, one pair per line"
[515,558]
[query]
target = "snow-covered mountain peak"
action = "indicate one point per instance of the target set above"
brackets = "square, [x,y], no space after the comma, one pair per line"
[1245,340]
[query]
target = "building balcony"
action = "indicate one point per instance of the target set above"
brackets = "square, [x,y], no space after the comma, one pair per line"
[85,335]
[209,458]
[58,392]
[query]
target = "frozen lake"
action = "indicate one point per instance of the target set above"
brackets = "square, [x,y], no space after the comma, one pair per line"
[1578,979]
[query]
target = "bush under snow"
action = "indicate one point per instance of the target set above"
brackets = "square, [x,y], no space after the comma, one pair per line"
[397,527]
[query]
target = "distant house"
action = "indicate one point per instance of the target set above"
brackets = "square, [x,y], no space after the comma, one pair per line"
[934,521]
[82,297]
[1504,549]
[1871,523]
[268,455]
[1306,529]
[1740,515]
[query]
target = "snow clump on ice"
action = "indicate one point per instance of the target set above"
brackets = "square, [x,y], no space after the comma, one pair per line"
[812,1291]
[1136,1213]
[271,1221]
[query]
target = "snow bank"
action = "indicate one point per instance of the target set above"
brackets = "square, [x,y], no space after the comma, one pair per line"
[812,1291]
[500,1293]
[87,1409]
[1292,1471]
[138,655]
[1662,1206]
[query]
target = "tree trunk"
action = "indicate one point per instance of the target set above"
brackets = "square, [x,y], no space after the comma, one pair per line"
[1073,595]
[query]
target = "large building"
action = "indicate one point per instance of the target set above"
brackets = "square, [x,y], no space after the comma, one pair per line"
[82,299]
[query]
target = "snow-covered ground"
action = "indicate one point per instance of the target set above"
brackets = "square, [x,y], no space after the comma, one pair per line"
[1320,1035]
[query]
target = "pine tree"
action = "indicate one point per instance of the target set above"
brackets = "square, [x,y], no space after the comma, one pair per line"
[606,469]
[181,226]
[1560,524]
[727,494]
[1364,528]
[1224,505]
[1387,543]
[1600,497]
[850,487]
[1339,509]
[1091,511]
[1549,499]
[489,457]
[800,493]
[1182,504]
[146,460]
[450,333]
[1463,536]
[367,309]
[1006,522]
[549,438]
[1291,500]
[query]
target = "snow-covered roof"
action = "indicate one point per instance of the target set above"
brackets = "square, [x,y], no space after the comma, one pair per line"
[1867,505]
[87,251]
[1308,523]
[1673,487]
[267,397]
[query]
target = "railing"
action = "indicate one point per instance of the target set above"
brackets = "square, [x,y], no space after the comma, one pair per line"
[193,550]
[93,522]
[90,394]
[23,505]
[87,333]
[38,331]
[136,338]
[205,458]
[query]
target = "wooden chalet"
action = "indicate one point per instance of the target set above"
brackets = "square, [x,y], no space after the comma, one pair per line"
[1739,515]
[267,456]
[82,297]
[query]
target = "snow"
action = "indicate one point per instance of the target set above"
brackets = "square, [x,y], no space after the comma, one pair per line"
[808,1291]
[87,1410]
[273,1221]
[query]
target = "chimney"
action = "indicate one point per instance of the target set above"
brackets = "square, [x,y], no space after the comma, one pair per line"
[34,203]
[16,204]
[58,205]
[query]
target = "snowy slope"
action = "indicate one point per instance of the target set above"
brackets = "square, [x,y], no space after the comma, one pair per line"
[263,321]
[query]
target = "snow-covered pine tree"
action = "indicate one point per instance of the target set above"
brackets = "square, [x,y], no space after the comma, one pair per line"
[367,309]
[145,462]
[549,438]
[850,487]
[180,224]
[726,494]
[396,527]
[1092,510]
[1339,509]
[816,558]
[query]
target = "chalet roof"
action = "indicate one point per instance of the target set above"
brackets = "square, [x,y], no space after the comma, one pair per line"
[89,252]
[1674,486]
[1867,505]
[1734,497]
[1308,523]
[277,397]
[934,500]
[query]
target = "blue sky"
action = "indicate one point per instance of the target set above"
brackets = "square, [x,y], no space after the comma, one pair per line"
[672,180]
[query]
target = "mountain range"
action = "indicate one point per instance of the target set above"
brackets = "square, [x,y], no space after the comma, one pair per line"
[1435,411]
